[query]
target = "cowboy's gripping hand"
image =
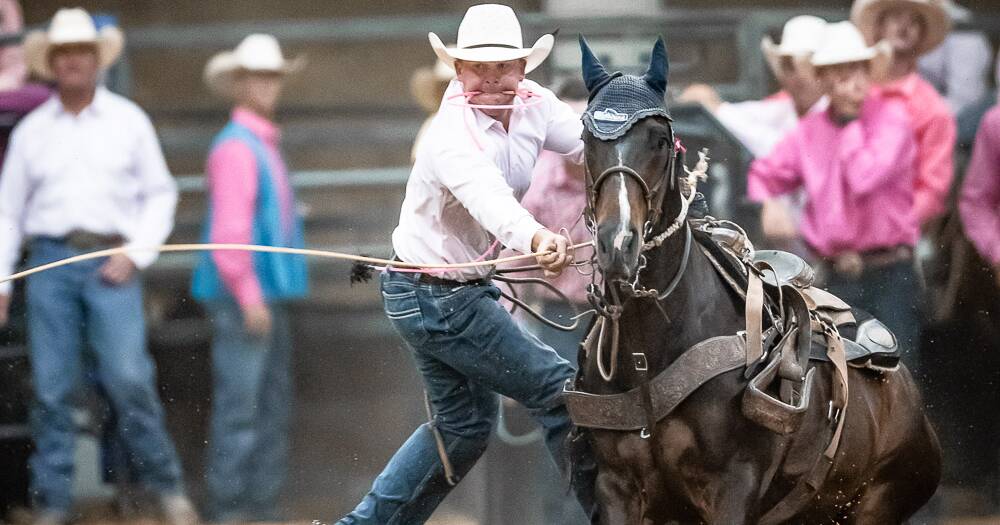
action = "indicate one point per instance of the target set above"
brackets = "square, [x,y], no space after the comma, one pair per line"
[118,269]
[556,252]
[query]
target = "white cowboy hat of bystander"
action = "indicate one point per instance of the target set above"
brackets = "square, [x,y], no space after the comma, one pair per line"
[258,53]
[866,14]
[69,27]
[491,33]
[843,44]
[800,37]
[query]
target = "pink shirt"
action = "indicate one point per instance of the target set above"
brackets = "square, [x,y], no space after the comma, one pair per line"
[979,201]
[858,178]
[936,131]
[556,199]
[232,182]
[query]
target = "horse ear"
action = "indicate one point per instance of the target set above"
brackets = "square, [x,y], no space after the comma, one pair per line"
[659,67]
[594,74]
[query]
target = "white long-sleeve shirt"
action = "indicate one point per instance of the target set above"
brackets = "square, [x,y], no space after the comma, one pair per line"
[101,171]
[459,197]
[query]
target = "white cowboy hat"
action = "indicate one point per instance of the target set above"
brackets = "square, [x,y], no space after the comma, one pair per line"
[866,14]
[258,53]
[491,33]
[71,26]
[800,38]
[843,44]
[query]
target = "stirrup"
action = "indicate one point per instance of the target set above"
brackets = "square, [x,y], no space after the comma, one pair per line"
[770,412]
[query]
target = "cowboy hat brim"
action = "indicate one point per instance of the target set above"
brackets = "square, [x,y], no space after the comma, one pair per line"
[532,56]
[773,55]
[937,23]
[221,69]
[110,42]
[879,56]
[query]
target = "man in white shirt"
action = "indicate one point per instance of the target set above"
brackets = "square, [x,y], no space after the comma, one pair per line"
[84,171]
[472,167]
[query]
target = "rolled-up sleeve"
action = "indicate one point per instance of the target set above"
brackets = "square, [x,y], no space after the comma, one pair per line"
[979,200]
[479,185]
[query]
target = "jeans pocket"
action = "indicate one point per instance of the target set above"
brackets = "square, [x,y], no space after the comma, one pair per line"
[403,309]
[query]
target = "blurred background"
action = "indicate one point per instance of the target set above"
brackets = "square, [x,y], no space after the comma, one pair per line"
[348,125]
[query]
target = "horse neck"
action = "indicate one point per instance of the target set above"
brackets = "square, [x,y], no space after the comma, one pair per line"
[700,307]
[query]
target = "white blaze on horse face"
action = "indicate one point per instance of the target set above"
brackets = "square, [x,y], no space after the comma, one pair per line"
[625,210]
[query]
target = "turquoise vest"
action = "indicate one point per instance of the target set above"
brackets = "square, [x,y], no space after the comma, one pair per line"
[281,276]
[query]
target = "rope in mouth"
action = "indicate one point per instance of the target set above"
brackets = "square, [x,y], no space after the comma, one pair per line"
[529,98]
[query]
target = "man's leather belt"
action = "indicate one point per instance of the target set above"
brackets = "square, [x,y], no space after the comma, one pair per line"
[86,241]
[430,279]
[854,263]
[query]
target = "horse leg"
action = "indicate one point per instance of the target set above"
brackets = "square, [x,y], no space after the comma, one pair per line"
[904,485]
[618,504]
[734,497]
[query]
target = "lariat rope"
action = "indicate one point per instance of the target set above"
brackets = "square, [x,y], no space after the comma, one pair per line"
[275,249]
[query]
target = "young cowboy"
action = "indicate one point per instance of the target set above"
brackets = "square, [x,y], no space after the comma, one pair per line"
[912,28]
[856,162]
[761,124]
[251,202]
[472,166]
[84,171]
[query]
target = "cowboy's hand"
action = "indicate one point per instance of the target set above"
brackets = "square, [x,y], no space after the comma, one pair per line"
[556,255]
[702,94]
[118,269]
[777,221]
[4,309]
[257,320]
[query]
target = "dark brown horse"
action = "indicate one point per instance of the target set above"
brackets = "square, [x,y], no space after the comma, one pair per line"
[706,462]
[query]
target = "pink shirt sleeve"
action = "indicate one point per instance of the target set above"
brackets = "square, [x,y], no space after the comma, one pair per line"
[232,180]
[872,150]
[979,201]
[936,147]
[778,173]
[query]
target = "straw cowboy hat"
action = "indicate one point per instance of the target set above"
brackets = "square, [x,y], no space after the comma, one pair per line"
[256,53]
[800,38]
[866,14]
[71,26]
[843,43]
[428,84]
[491,33]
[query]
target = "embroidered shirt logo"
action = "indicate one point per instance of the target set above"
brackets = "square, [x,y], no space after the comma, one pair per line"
[610,115]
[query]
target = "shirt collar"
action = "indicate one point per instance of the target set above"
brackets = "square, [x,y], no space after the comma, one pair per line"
[97,106]
[905,86]
[257,124]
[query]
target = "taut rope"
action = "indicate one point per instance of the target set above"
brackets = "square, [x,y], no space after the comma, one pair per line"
[272,249]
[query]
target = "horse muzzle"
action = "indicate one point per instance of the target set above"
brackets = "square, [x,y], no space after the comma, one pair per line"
[618,248]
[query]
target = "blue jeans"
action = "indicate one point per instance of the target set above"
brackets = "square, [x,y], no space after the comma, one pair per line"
[557,506]
[251,400]
[890,294]
[468,349]
[64,306]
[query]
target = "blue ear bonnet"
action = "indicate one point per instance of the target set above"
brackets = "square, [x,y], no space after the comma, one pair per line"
[624,100]
[618,101]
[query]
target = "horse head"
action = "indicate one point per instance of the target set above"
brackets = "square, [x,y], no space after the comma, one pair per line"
[631,157]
